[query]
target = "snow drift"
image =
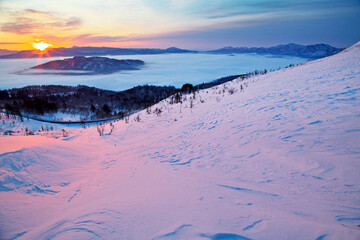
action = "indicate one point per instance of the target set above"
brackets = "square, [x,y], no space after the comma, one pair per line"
[272,157]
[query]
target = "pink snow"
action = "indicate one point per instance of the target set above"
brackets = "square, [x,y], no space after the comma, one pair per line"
[279,159]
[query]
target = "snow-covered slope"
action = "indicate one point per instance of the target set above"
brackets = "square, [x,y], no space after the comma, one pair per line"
[272,157]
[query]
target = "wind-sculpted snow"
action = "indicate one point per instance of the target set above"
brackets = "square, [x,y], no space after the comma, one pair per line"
[270,157]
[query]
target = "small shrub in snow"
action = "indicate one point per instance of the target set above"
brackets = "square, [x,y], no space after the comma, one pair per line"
[148,110]
[8,132]
[137,118]
[158,111]
[101,129]
[177,98]
[231,91]
[28,132]
[112,126]
[65,133]
[191,104]
[126,118]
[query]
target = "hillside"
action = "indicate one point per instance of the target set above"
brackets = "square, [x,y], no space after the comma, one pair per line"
[91,65]
[269,157]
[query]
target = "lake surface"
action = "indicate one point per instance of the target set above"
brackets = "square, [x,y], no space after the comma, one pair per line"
[162,69]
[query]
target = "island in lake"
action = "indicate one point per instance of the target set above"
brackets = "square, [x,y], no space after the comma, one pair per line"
[86,65]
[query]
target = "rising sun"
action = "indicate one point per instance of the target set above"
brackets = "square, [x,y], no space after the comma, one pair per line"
[41,45]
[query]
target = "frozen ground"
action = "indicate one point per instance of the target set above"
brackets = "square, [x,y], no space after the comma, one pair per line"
[279,159]
[162,69]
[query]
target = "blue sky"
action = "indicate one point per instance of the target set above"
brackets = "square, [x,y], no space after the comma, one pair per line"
[193,24]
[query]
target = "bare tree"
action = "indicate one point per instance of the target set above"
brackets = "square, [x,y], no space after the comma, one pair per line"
[101,129]
[65,133]
[148,110]
[137,118]
[112,126]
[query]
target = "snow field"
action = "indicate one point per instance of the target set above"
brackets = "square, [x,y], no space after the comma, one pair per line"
[278,159]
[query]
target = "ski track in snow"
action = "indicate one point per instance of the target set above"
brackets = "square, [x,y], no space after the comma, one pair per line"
[279,159]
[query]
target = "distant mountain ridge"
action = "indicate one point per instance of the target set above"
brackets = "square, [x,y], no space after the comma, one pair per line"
[309,51]
[93,65]
[92,51]
[7,52]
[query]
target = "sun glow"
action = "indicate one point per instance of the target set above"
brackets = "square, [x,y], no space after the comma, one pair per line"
[41,45]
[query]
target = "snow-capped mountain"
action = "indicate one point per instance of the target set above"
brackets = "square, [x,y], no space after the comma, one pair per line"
[270,157]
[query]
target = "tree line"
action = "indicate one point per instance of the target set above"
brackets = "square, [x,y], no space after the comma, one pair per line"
[83,100]
[95,103]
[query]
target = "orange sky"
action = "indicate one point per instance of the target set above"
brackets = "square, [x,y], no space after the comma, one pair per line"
[192,24]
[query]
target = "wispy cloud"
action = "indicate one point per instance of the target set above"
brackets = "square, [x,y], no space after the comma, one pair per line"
[73,22]
[20,27]
[89,38]
[31,21]
[85,39]
[167,22]
[6,43]
[33,11]
[230,8]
